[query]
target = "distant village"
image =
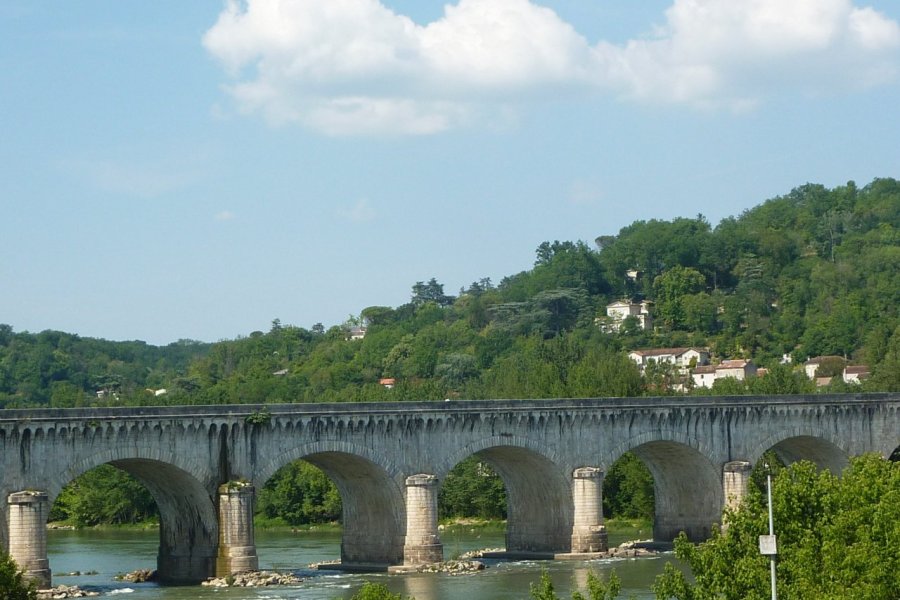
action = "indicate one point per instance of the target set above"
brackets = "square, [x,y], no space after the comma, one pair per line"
[692,366]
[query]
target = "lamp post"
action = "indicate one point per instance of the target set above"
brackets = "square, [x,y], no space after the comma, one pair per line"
[767,544]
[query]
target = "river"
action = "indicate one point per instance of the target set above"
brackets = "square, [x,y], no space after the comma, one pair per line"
[113,552]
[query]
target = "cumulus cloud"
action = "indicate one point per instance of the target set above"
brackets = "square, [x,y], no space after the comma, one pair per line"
[349,67]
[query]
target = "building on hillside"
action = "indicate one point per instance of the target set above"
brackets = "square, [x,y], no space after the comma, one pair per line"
[388,382]
[856,373]
[812,365]
[739,369]
[620,310]
[706,375]
[357,333]
[682,358]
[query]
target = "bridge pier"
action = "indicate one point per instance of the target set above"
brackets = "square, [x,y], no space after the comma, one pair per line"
[588,531]
[735,478]
[422,545]
[28,512]
[237,547]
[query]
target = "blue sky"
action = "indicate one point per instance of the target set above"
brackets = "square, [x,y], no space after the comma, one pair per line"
[196,169]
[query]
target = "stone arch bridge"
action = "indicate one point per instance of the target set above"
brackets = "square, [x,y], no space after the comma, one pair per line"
[203,463]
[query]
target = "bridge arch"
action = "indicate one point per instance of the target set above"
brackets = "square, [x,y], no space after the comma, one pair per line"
[538,491]
[793,444]
[188,521]
[374,510]
[687,484]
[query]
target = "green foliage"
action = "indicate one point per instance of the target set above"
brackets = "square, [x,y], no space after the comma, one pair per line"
[628,489]
[596,589]
[104,495]
[299,494]
[838,539]
[472,489]
[671,288]
[13,585]
[544,589]
[376,591]
[260,417]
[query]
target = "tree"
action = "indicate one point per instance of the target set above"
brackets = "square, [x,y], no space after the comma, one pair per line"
[597,589]
[603,373]
[299,494]
[375,591]
[13,584]
[670,288]
[628,489]
[472,489]
[838,539]
[432,291]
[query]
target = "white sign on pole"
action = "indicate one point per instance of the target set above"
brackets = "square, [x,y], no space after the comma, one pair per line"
[767,545]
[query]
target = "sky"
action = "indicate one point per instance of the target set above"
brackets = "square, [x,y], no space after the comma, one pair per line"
[193,170]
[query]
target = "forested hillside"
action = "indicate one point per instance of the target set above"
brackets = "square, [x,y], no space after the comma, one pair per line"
[814,272]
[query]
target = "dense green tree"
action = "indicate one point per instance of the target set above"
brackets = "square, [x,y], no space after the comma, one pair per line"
[432,291]
[13,585]
[670,288]
[300,494]
[104,495]
[596,588]
[472,489]
[838,539]
[628,489]
[376,591]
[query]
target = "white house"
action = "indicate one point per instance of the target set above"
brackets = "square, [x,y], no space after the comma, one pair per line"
[856,373]
[739,369]
[620,310]
[357,333]
[681,358]
[705,375]
[812,365]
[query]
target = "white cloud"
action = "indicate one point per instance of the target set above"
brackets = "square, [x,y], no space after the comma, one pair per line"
[225,215]
[734,54]
[349,67]
[360,212]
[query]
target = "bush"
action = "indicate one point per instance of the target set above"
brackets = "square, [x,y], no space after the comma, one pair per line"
[13,584]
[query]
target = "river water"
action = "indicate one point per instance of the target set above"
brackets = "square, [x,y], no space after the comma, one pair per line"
[113,552]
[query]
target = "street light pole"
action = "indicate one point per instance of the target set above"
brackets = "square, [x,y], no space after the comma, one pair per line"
[767,544]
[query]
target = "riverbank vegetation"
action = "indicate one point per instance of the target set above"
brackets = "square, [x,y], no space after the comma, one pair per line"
[13,584]
[838,539]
